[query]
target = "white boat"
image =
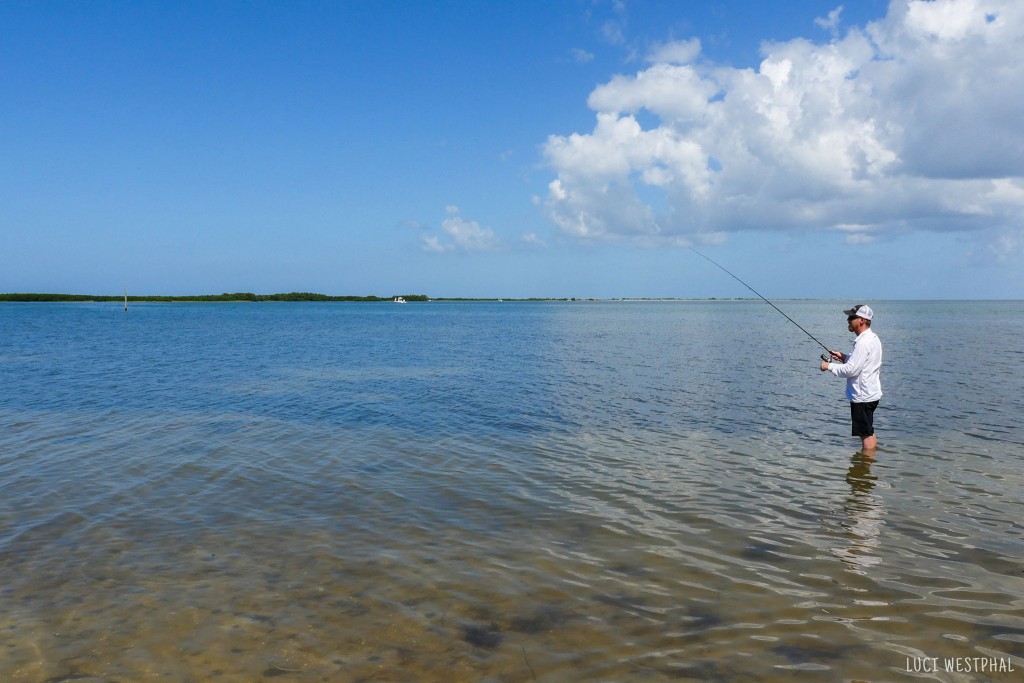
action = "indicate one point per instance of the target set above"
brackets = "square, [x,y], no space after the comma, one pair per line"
[400,300]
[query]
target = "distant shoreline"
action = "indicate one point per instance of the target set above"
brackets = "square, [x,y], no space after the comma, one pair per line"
[232,297]
[247,297]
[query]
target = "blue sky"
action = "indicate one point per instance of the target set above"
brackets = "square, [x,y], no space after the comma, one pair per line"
[560,148]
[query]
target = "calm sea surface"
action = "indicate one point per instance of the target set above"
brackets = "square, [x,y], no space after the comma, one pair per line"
[600,491]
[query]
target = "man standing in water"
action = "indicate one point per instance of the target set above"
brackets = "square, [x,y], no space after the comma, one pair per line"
[861,369]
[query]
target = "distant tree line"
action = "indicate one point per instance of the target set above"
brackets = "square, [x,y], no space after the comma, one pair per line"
[237,296]
[249,296]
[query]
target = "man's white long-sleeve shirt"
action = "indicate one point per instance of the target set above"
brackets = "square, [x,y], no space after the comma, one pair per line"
[861,368]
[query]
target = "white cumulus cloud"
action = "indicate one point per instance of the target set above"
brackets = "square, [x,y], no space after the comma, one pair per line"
[909,123]
[461,234]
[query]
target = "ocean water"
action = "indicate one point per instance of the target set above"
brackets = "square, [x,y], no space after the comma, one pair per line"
[600,491]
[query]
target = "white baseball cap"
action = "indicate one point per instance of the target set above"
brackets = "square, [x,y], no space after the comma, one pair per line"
[860,311]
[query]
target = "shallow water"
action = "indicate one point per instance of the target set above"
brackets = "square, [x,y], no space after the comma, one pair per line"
[505,492]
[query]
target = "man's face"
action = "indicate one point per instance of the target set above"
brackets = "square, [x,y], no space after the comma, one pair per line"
[854,324]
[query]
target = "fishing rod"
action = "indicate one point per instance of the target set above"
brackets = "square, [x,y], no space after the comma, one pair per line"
[825,357]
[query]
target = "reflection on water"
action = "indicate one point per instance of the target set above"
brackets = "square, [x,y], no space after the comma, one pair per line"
[495,492]
[864,516]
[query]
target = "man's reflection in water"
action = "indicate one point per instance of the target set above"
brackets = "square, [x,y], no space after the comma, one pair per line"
[863,516]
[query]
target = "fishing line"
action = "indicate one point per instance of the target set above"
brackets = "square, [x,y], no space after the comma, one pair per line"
[716,263]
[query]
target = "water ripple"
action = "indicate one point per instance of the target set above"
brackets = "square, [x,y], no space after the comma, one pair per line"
[492,492]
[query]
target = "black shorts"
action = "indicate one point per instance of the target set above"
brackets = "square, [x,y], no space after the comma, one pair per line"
[863,416]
